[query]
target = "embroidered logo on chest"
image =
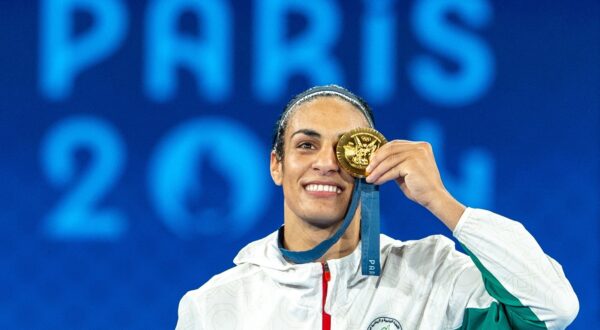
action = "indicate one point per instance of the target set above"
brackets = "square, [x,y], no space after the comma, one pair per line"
[385,323]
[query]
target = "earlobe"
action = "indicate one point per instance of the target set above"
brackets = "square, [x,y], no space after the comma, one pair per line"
[276,165]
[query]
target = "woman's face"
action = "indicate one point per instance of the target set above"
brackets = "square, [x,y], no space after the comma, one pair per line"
[315,189]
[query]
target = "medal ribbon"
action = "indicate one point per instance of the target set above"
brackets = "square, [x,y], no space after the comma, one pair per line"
[369,231]
[369,227]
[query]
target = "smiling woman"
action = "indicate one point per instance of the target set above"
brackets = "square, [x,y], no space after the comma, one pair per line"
[505,282]
[308,159]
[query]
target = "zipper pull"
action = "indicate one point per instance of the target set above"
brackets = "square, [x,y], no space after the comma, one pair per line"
[326,273]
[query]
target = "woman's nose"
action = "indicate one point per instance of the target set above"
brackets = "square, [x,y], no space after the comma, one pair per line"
[326,161]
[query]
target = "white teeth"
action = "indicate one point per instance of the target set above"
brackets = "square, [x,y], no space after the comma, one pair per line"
[322,187]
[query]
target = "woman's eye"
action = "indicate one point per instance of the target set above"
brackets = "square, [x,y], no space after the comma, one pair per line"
[306,145]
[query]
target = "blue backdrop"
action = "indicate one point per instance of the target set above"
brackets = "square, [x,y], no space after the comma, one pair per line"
[135,135]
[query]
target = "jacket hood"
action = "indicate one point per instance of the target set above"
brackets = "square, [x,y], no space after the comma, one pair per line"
[266,255]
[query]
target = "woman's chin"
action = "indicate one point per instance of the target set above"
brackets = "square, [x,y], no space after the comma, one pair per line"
[325,222]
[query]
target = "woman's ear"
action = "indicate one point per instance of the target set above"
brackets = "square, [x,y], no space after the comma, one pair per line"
[276,169]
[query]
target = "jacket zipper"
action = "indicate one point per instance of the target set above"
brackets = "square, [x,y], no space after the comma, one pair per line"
[326,278]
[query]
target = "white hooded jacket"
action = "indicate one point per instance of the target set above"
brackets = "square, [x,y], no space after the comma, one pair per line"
[506,282]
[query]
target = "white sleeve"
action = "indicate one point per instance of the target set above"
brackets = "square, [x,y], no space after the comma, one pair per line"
[528,288]
[188,314]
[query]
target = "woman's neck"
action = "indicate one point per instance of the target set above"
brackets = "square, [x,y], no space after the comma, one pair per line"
[301,235]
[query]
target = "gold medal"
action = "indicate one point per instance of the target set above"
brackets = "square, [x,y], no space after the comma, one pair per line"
[355,148]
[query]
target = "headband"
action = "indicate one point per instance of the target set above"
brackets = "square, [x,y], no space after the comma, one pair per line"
[325,90]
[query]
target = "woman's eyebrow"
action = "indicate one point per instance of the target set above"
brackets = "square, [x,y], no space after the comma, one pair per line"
[307,131]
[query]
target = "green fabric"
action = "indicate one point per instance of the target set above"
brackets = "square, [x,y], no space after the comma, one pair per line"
[509,314]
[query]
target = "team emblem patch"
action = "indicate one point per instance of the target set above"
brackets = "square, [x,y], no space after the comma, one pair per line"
[385,323]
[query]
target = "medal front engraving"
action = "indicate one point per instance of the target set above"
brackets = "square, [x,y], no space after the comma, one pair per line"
[355,148]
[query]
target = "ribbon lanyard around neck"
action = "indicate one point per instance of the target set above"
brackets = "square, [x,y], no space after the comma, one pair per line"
[369,231]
